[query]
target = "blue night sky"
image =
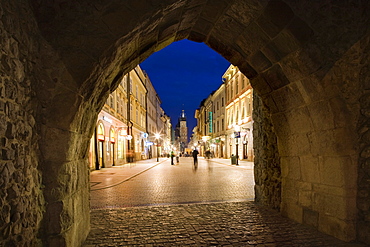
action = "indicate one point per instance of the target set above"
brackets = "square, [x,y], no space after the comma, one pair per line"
[183,74]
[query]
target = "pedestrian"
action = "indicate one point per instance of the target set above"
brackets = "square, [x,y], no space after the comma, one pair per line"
[208,154]
[172,155]
[195,156]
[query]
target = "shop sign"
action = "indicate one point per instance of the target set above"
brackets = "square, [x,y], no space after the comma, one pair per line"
[237,134]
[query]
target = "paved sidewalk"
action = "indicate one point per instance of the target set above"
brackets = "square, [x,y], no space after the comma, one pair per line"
[215,224]
[181,223]
[112,176]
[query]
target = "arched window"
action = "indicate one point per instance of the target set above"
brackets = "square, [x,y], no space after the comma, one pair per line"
[100,132]
[112,135]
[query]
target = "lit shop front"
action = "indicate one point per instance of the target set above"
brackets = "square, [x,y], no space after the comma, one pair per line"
[108,143]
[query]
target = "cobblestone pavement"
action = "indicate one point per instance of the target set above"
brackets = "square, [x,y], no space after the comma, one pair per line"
[158,204]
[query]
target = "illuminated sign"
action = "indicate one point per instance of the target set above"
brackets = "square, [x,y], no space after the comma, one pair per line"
[107,119]
[210,122]
[237,134]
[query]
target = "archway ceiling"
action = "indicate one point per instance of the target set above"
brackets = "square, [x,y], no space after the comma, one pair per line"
[272,42]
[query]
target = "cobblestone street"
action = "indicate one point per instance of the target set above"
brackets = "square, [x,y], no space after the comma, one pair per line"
[158,204]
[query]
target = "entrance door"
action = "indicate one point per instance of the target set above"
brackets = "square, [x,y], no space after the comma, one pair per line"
[112,153]
[245,150]
[101,154]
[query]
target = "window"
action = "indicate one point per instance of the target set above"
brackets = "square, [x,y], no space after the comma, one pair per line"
[231,90]
[111,101]
[222,102]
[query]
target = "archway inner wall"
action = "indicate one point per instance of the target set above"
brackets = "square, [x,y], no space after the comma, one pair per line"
[295,58]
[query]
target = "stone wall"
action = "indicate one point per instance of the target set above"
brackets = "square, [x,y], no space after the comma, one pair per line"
[317,145]
[363,194]
[304,59]
[267,171]
[21,198]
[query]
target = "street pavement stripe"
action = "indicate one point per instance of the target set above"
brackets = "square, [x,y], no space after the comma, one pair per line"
[125,180]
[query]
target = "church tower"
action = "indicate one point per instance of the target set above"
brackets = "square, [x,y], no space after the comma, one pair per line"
[182,132]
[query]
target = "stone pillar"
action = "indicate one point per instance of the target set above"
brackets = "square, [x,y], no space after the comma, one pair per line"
[267,172]
[21,198]
[363,193]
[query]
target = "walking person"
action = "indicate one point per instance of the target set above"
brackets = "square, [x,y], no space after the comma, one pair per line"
[195,156]
[172,156]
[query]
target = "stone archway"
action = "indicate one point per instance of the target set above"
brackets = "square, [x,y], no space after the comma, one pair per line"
[308,63]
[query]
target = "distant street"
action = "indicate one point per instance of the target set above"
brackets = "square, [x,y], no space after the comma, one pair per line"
[145,183]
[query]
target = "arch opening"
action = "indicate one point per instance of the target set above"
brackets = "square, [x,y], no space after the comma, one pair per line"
[308,73]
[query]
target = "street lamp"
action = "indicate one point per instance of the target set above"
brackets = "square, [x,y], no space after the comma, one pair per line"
[237,136]
[157,137]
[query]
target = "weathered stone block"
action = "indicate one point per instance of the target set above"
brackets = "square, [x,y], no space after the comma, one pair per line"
[249,43]
[332,170]
[292,210]
[292,168]
[341,207]
[289,192]
[260,62]
[310,217]
[301,31]
[285,43]
[321,115]
[310,169]
[275,77]
[294,145]
[305,198]
[288,97]
[299,120]
[342,229]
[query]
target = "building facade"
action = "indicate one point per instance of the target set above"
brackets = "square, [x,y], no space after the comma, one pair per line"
[218,138]
[224,119]
[152,130]
[238,114]
[128,123]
